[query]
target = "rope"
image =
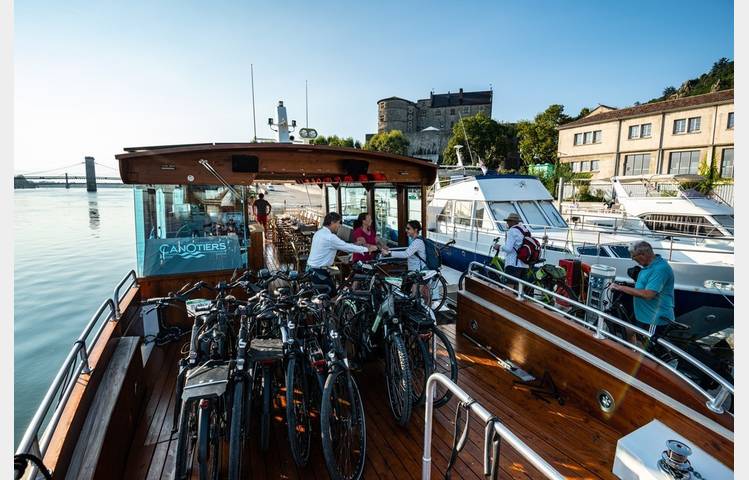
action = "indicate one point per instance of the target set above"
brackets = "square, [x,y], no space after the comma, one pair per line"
[51,169]
[459,442]
[21,461]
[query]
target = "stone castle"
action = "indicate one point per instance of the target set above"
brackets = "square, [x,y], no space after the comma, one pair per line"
[428,123]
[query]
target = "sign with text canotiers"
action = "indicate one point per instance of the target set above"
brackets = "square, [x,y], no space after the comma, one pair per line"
[167,256]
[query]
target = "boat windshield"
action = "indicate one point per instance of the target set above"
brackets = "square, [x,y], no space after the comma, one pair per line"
[189,228]
[726,221]
[501,210]
[537,215]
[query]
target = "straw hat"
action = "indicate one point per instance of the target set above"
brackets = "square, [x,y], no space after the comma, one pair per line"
[513,216]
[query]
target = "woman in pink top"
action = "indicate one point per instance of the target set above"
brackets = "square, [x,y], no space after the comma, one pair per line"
[363,234]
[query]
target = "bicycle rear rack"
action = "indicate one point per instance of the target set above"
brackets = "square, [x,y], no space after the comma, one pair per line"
[492,425]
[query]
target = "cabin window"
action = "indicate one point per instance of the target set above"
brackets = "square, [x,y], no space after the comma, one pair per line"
[726,221]
[553,214]
[189,228]
[592,250]
[353,202]
[332,199]
[386,214]
[621,251]
[500,210]
[445,218]
[462,214]
[414,204]
[483,217]
[534,217]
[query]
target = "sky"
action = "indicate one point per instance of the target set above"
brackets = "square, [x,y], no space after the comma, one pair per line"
[94,77]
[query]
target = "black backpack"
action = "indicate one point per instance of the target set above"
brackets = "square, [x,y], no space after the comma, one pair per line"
[433,260]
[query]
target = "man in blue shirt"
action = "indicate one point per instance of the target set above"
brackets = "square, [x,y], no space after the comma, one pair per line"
[653,291]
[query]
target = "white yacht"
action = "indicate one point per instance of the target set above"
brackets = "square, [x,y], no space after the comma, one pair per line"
[472,212]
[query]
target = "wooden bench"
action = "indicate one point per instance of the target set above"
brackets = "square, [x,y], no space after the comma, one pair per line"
[102,447]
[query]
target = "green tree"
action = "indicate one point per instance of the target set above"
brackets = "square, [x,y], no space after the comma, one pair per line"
[537,140]
[489,141]
[390,142]
[336,141]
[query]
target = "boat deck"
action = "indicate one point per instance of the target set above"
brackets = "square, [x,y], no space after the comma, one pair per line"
[583,447]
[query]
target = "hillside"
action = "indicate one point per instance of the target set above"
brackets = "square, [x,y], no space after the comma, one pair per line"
[720,77]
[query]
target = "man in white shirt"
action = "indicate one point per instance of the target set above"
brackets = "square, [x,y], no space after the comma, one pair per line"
[325,245]
[513,241]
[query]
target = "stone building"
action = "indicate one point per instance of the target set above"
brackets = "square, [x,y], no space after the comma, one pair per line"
[428,122]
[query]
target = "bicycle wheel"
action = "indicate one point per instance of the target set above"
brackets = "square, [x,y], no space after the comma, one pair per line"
[209,443]
[444,361]
[343,425]
[186,440]
[421,366]
[265,416]
[297,414]
[437,294]
[350,326]
[398,378]
[238,431]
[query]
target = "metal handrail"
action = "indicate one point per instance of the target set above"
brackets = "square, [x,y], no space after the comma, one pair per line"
[491,423]
[116,293]
[645,229]
[63,383]
[714,402]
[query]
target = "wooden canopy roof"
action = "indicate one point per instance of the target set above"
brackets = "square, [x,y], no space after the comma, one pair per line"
[244,163]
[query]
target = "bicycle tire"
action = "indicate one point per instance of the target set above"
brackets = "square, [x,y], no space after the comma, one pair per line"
[208,443]
[266,409]
[421,366]
[237,432]
[441,286]
[339,382]
[299,431]
[398,378]
[184,457]
[449,368]
[350,326]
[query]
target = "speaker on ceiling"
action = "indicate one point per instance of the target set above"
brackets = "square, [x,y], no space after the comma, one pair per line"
[244,163]
[355,167]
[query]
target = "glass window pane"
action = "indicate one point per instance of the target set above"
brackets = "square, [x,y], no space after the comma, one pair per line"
[575,167]
[500,211]
[594,165]
[588,137]
[553,214]
[353,202]
[332,199]
[680,125]
[578,138]
[585,166]
[597,136]
[645,131]
[534,217]
[730,119]
[694,124]
[462,214]
[726,164]
[634,131]
[386,214]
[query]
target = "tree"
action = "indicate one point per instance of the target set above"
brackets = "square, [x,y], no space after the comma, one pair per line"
[490,142]
[668,91]
[537,140]
[390,142]
[336,141]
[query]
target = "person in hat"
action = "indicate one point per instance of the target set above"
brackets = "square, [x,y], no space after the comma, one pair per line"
[513,240]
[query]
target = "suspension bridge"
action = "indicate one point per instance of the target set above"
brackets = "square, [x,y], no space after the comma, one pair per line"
[69,175]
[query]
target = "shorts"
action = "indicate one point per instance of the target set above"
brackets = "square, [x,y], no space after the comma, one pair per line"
[263,220]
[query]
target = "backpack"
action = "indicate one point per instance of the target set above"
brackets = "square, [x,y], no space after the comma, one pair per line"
[529,252]
[433,260]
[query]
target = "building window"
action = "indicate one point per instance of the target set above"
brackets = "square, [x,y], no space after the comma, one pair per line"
[594,165]
[585,166]
[684,162]
[638,164]
[597,136]
[466,109]
[634,132]
[680,125]
[578,139]
[575,167]
[694,125]
[645,130]
[726,163]
[588,138]
[730,120]
[452,111]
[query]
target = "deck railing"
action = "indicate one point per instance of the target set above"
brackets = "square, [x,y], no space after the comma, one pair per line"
[493,425]
[714,401]
[75,364]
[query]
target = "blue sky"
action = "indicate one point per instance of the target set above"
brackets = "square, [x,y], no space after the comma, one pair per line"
[93,77]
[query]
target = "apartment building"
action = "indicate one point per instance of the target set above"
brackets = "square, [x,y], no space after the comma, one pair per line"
[669,137]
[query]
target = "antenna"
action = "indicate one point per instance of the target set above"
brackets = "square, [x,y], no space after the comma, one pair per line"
[254,124]
[306,106]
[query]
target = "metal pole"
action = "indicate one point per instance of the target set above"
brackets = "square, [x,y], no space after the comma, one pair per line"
[306,106]
[67,185]
[254,124]
[90,174]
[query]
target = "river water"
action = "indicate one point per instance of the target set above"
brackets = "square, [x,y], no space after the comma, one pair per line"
[71,249]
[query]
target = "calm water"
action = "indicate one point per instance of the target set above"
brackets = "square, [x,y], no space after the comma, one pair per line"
[71,249]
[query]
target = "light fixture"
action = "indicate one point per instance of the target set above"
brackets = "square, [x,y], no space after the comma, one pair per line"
[190,178]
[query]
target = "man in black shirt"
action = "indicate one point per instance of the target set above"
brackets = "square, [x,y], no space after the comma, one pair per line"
[261,208]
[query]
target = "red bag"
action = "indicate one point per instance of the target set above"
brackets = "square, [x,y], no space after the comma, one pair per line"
[529,252]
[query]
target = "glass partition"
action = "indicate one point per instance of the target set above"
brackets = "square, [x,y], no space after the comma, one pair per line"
[386,214]
[332,199]
[189,228]
[353,202]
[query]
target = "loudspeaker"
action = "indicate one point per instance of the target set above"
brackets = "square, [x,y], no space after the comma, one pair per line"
[244,163]
[355,167]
